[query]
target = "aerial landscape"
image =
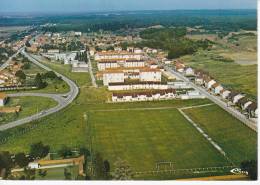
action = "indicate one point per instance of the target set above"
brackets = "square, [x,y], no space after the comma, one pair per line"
[121,91]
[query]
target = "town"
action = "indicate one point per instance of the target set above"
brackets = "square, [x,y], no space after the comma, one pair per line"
[100,91]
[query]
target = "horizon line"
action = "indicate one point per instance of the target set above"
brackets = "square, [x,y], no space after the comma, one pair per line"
[108,11]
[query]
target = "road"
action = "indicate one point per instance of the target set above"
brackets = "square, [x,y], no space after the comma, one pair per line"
[3,66]
[63,99]
[93,79]
[217,100]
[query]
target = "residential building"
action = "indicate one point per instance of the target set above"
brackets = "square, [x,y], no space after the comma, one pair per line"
[3,99]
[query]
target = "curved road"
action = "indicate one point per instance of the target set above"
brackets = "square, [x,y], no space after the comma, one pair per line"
[63,99]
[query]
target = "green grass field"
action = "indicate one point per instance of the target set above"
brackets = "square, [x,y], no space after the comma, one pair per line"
[240,75]
[237,140]
[144,138]
[28,108]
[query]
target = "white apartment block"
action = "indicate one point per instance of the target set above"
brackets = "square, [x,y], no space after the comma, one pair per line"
[113,77]
[118,55]
[150,75]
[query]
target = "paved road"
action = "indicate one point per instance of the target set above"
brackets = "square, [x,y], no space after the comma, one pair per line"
[251,124]
[3,66]
[93,79]
[63,99]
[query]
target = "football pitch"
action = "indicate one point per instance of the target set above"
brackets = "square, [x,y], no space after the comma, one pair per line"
[145,138]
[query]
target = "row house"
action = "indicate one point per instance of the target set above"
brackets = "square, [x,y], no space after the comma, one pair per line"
[137,86]
[144,96]
[117,63]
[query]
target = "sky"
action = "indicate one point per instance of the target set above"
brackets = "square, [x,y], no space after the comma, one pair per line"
[117,5]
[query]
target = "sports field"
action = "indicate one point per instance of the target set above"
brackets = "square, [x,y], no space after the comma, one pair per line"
[238,141]
[143,138]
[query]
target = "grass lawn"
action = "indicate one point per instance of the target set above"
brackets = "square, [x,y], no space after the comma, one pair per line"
[58,173]
[237,140]
[145,137]
[28,108]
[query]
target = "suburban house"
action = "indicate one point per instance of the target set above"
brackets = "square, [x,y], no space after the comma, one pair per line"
[3,99]
[252,110]
[225,93]
[68,162]
[232,96]
[216,88]
[237,97]
[188,71]
[179,66]
[192,95]
[242,102]
[210,83]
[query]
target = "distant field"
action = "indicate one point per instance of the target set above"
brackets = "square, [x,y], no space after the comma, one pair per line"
[237,140]
[30,106]
[145,137]
[230,74]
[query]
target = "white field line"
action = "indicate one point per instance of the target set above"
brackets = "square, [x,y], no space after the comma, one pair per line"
[206,136]
[151,108]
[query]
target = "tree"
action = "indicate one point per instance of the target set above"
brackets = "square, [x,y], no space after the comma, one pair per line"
[65,152]
[39,82]
[20,74]
[122,171]
[107,169]
[39,150]
[27,44]
[67,174]
[99,167]
[21,160]
[6,163]
[29,174]
[251,167]
[42,173]
[27,65]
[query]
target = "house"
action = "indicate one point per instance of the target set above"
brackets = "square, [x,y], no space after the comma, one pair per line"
[232,95]
[252,110]
[179,66]
[210,83]
[242,102]
[237,97]
[192,95]
[3,99]
[137,85]
[225,93]
[188,71]
[216,88]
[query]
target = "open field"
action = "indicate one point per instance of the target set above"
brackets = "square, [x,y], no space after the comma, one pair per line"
[29,105]
[230,74]
[240,75]
[238,141]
